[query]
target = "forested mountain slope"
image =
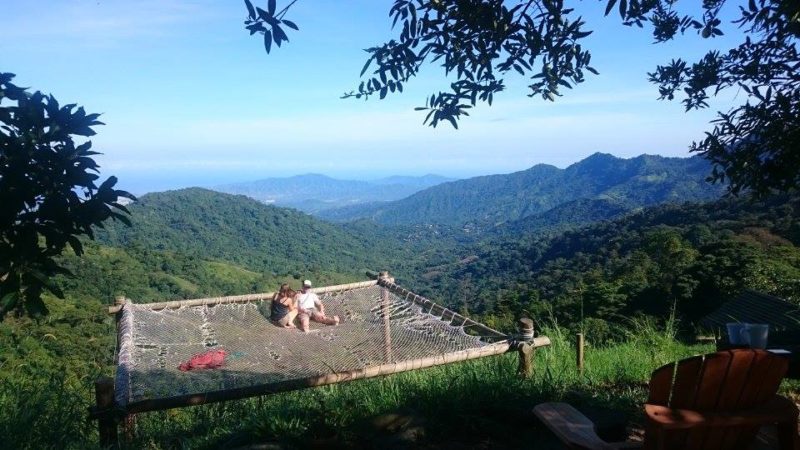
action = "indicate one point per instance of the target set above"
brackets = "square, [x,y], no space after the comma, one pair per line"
[690,256]
[568,215]
[496,199]
[208,225]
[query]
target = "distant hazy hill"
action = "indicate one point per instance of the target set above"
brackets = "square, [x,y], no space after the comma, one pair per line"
[313,193]
[487,201]
[211,225]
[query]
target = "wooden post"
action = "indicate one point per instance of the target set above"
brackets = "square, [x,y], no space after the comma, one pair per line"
[579,352]
[387,330]
[107,422]
[128,426]
[526,351]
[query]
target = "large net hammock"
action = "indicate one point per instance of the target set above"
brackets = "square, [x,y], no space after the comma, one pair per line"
[383,330]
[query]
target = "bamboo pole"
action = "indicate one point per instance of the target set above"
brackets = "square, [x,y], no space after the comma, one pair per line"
[579,352]
[387,330]
[239,298]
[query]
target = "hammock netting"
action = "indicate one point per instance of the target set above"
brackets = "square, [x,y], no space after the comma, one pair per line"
[378,327]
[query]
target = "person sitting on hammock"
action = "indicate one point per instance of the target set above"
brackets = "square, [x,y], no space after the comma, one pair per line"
[284,307]
[311,308]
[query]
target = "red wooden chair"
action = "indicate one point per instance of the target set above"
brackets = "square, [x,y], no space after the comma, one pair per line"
[715,401]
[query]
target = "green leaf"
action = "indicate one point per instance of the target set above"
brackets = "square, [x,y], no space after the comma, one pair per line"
[279,35]
[250,10]
[267,41]
[76,245]
[610,6]
[8,302]
[366,66]
[271,7]
[109,183]
[290,24]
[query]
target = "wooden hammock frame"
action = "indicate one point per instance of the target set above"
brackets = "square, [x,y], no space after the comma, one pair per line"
[110,413]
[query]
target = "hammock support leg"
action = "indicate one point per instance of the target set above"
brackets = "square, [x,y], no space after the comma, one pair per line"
[107,421]
[525,349]
[526,352]
[387,333]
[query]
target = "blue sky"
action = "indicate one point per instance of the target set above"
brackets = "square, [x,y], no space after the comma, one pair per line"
[190,99]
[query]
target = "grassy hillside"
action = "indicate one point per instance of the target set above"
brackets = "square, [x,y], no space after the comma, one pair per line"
[146,275]
[491,200]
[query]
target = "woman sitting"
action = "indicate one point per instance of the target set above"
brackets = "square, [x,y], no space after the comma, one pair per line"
[284,307]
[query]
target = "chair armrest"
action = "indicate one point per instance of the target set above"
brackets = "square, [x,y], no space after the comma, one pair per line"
[777,410]
[574,429]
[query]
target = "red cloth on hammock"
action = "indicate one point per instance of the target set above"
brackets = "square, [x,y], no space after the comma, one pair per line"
[209,360]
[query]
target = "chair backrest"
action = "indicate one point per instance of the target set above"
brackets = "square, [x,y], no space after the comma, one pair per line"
[724,381]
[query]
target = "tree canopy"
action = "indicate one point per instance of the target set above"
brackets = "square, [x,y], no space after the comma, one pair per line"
[753,147]
[47,191]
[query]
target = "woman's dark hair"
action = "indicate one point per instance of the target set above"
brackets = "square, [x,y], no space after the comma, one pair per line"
[284,291]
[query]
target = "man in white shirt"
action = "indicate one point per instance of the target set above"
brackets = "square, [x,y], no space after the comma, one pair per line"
[311,308]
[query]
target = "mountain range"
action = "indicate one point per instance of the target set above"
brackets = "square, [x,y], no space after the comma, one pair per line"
[599,187]
[234,234]
[313,193]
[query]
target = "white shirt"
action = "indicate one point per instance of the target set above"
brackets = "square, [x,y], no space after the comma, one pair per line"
[307,300]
